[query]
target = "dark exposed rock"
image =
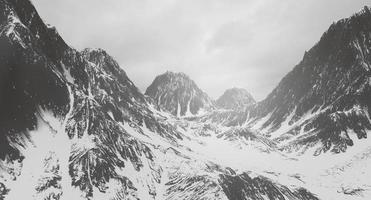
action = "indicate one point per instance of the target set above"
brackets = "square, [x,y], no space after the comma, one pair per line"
[29,71]
[243,187]
[178,94]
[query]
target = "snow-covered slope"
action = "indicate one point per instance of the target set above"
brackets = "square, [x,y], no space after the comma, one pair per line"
[177,94]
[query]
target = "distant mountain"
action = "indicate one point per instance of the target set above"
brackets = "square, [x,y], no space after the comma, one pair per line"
[235,98]
[178,94]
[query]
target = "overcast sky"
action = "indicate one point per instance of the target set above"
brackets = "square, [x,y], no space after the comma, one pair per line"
[219,43]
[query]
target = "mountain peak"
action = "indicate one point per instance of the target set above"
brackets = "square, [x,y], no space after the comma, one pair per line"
[94,50]
[235,98]
[364,10]
[177,75]
[99,57]
[178,94]
[171,73]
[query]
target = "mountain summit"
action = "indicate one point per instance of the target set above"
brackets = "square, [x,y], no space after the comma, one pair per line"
[235,98]
[178,94]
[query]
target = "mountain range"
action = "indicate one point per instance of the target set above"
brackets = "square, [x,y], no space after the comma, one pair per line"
[74,126]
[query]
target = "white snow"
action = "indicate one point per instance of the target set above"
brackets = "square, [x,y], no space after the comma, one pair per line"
[10,32]
[178,110]
[188,112]
[67,73]
[49,146]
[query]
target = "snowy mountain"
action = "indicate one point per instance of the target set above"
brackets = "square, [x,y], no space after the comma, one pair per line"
[324,100]
[235,98]
[74,126]
[177,94]
[326,97]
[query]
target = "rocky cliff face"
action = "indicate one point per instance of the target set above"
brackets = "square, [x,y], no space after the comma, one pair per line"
[178,94]
[29,77]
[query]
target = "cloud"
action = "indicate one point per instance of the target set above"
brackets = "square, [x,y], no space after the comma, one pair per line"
[219,43]
[231,36]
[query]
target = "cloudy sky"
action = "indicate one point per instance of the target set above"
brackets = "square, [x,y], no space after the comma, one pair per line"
[219,43]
